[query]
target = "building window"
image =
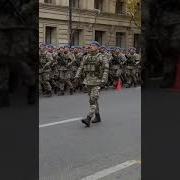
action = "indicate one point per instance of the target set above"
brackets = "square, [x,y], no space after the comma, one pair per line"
[137,42]
[50,36]
[76,37]
[98,4]
[119,7]
[99,36]
[75,3]
[48,1]
[120,39]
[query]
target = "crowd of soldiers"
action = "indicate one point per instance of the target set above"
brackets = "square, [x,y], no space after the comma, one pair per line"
[58,67]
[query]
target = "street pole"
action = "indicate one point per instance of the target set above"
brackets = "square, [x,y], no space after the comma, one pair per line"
[70,23]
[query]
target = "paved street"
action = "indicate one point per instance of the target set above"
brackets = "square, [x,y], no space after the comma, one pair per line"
[108,151]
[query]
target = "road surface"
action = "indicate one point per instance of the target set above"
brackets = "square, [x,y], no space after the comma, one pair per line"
[110,150]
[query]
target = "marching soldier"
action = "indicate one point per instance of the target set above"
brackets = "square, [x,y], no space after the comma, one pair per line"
[64,60]
[130,70]
[95,70]
[44,72]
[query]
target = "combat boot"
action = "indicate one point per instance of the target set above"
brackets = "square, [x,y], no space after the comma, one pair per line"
[97,118]
[86,121]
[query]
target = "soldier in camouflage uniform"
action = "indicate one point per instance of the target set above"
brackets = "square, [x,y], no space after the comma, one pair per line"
[130,69]
[114,68]
[65,72]
[54,76]
[44,72]
[95,70]
[75,65]
[107,57]
[105,53]
[122,59]
[138,70]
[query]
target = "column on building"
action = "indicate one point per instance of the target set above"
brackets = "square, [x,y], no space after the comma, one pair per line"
[62,2]
[62,35]
[112,6]
[111,38]
[106,5]
[57,2]
[86,4]
[88,33]
[41,32]
[130,38]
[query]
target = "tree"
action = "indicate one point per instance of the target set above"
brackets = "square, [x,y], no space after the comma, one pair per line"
[134,10]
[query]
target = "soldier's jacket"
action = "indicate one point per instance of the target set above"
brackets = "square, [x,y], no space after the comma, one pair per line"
[131,59]
[43,60]
[107,56]
[62,61]
[70,58]
[122,58]
[115,66]
[94,69]
[77,62]
[115,62]
[54,74]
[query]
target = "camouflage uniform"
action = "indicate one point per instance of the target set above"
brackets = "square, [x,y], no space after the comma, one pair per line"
[95,70]
[114,70]
[54,75]
[65,72]
[122,60]
[130,70]
[44,73]
[75,66]
[138,70]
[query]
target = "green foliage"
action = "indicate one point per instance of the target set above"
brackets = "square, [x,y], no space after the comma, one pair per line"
[134,10]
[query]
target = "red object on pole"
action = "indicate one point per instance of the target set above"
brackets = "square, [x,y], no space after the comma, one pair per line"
[119,85]
[177,81]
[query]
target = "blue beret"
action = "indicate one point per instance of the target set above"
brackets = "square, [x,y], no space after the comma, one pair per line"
[104,47]
[95,43]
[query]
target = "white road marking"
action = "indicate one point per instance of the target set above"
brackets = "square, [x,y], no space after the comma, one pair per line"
[60,122]
[110,170]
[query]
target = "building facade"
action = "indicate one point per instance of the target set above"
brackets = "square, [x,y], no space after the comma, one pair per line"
[105,21]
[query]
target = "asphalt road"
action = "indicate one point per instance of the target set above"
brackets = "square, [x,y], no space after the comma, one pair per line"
[69,151]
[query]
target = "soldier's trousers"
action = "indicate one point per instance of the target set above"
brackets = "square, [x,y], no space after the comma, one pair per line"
[93,92]
[64,82]
[44,79]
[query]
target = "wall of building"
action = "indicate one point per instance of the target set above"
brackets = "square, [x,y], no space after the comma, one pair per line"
[87,20]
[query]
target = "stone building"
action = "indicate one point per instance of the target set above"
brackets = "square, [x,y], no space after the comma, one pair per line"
[103,20]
